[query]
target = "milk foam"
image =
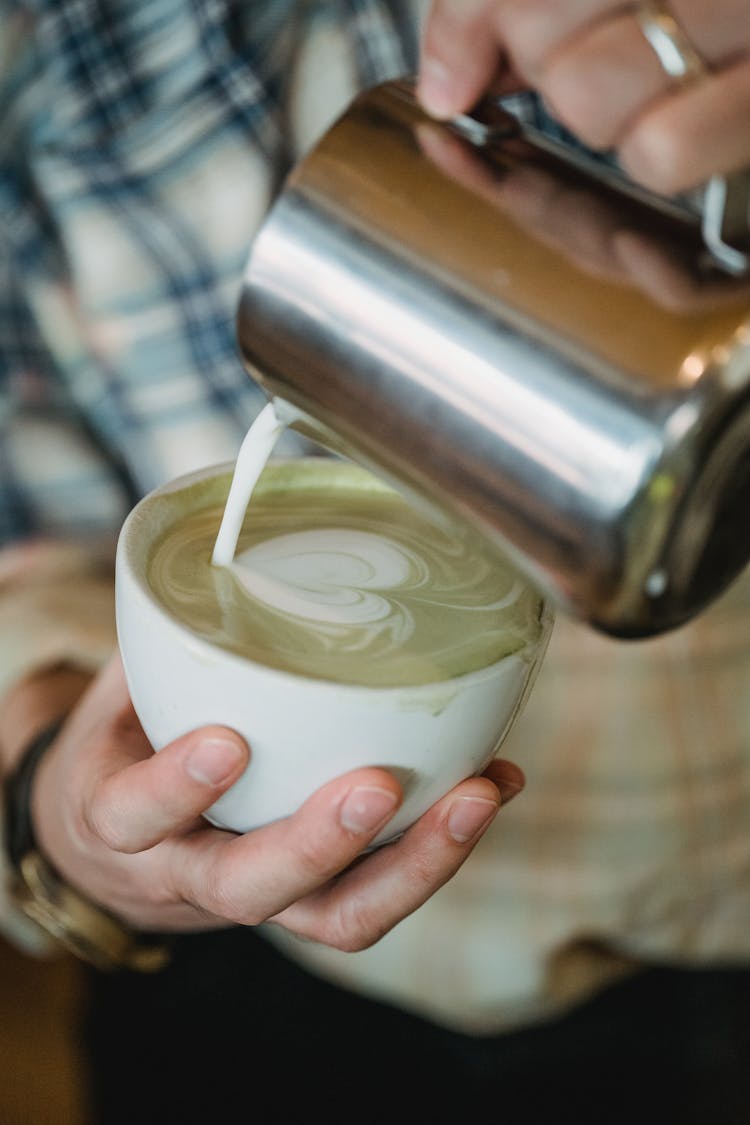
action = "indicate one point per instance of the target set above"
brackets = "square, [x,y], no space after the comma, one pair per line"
[329,575]
[338,577]
[318,568]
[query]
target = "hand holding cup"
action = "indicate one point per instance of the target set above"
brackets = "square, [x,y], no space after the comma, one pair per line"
[124,826]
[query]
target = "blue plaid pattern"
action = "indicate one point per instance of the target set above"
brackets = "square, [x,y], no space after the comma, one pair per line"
[141,142]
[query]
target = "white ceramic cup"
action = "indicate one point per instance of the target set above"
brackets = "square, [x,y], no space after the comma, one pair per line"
[303,732]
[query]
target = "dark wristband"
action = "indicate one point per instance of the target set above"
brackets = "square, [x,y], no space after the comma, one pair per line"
[19,828]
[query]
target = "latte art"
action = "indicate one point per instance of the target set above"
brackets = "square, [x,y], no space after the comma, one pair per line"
[343,580]
[336,576]
[364,592]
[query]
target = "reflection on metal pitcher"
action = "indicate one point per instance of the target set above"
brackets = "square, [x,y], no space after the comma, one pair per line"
[523,344]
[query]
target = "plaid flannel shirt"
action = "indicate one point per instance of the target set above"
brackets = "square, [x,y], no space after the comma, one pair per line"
[141,142]
[140,145]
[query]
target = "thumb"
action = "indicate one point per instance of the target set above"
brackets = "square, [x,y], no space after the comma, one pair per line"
[460,56]
[135,807]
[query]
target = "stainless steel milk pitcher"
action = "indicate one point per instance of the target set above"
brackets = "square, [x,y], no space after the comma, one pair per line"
[521,339]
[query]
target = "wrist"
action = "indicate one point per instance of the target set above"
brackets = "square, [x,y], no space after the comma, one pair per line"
[59,909]
[34,704]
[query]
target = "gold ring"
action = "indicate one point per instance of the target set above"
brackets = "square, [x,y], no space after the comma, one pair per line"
[678,57]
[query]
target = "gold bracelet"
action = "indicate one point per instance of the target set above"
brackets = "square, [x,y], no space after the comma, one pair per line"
[79,925]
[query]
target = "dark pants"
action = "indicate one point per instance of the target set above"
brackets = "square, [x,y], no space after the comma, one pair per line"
[232,1031]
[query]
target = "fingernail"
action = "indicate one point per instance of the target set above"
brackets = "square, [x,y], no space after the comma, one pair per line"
[213,761]
[509,779]
[437,89]
[366,808]
[468,815]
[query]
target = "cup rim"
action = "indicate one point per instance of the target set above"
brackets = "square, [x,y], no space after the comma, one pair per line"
[126,561]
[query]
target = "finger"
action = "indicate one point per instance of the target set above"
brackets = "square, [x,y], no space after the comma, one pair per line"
[508,778]
[533,30]
[132,809]
[246,879]
[374,895]
[683,141]
[600,81]
[608,86]
[460,56]
[719,35]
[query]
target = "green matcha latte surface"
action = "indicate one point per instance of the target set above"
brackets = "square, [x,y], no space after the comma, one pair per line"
[337,577]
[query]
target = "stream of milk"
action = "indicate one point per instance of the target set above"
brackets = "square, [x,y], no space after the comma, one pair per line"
[255,450]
